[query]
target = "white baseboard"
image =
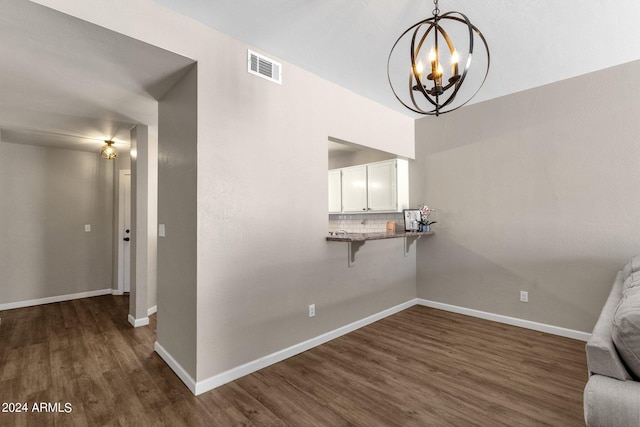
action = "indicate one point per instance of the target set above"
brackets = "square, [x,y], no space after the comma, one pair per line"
[59,298]
[152,310]
[175,366]
[117,292]
[263,362]
[144,321]
[541,327]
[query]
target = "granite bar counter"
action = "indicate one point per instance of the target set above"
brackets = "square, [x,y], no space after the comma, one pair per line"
[363,237]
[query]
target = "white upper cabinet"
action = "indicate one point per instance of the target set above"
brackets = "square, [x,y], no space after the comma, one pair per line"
[373,187]
[381,186]
[335,191]
[354,189]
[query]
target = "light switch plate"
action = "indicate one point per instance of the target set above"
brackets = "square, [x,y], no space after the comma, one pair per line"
[161,230]
[87,228]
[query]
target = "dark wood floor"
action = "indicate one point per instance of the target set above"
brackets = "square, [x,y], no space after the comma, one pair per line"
[419,367]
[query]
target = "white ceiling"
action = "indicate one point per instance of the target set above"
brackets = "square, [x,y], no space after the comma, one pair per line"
[532,42]
[71,84]
[62,78]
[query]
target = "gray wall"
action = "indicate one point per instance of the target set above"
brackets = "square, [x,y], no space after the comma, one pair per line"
[536,191]
[47,195]
[144,233]
[262,211]
[177,191]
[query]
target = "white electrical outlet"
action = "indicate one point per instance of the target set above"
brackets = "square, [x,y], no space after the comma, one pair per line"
[87,228]
[312,310]
[524,296]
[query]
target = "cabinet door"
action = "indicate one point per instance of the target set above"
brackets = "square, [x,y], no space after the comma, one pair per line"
[335,191]
[381,184]
[354,189]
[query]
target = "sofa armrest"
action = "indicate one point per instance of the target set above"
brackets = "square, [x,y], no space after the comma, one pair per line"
[602,356]
[610,402]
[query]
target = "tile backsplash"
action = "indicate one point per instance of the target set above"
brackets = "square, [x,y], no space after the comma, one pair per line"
[364,223]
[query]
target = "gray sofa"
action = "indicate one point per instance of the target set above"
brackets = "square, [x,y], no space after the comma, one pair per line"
[612,395]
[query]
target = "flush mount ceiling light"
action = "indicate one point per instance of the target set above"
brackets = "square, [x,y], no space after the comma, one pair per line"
[108,151]
[430,88]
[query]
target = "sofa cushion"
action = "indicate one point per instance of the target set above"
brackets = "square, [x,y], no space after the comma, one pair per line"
[631,290]
[632,281]
[626,331]
[632,266]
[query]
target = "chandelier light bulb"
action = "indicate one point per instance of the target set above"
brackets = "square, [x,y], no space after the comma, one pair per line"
[419,69]
[432,54]
[455,58]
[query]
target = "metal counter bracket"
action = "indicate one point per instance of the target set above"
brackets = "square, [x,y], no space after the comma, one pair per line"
[408,241]
[356,240]
[353,248]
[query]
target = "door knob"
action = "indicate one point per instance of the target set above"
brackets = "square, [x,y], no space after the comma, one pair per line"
[126,239]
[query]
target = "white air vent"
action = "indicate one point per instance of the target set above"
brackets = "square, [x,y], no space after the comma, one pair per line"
[264,67]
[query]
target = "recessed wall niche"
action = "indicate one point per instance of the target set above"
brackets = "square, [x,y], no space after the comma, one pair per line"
[344,154]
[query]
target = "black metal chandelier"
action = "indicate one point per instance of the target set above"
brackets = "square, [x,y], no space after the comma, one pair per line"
[436,91]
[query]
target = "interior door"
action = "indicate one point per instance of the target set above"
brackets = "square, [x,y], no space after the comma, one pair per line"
[124,232]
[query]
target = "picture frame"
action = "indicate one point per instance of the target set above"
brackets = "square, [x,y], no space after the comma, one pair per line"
[410,215]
